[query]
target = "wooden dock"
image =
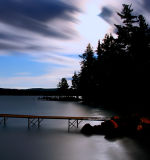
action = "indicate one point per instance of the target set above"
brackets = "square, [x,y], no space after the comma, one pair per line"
[35,120]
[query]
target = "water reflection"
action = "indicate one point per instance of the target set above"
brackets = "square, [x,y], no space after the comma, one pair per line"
[134,150]
[52,141]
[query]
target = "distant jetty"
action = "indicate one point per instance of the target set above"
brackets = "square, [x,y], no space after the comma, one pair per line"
[60,98]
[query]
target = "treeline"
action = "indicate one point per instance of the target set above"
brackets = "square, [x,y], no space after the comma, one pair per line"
[29,92]
[118,71]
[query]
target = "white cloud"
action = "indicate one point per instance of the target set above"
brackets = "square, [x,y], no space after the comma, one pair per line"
[73,32]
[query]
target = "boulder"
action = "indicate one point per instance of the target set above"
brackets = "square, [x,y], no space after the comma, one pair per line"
[87,129]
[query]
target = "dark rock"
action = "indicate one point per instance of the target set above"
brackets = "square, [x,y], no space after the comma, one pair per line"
[119,127]
[97,129]
[87,129]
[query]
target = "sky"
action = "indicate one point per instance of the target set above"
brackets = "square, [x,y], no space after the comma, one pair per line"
[41,40]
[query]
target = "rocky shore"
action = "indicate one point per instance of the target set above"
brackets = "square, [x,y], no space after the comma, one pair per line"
[120,126]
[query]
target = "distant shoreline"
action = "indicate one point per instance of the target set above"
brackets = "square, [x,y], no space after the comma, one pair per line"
[29,92]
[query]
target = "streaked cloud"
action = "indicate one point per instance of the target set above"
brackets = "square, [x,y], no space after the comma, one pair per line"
[35,15]
[23,22]
[53,33]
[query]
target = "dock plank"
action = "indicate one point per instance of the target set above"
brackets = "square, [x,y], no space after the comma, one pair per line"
[55,117]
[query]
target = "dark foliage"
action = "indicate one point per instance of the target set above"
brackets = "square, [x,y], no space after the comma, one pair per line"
[63,87]
[119,73]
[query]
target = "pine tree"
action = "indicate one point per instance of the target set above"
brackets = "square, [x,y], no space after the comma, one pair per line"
[126,31]
[87,57]
[127,16]
[75,81]
[63,84]
[99,51]
[86,74]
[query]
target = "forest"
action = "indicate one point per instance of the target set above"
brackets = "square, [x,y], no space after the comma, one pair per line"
[118,70]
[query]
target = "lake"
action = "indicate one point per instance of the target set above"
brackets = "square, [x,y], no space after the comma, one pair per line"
[52,141]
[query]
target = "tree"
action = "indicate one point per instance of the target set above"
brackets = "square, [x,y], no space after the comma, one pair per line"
[87,57]
[75,84]
[86,74]
[127,16]
[63,84]
[133,36]
[126,31]
[141,41]
[75,81]
[99,51]
[106,51]
[133,40]
[120,70]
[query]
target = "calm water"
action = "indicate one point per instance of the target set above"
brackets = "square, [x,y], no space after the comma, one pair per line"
[52,141]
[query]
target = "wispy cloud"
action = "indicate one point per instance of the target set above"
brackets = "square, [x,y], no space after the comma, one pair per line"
[58,59]
[24,21]
[44,30]
[49,31]
[34,15]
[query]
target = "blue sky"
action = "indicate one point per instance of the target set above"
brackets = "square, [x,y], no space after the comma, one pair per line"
[15,65]
[40,40]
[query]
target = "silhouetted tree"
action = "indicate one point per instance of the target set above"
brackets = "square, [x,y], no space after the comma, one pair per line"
[127,16]
[63,86]
[126,31]
[141,41]
[75,84]
[120,70]
[99,51]
[75,81]
[86,74]
[87,58]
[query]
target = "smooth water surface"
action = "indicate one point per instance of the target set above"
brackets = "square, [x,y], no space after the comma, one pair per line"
[52,141]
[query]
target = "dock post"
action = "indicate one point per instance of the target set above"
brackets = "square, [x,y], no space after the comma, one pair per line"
[68,124]
[77,123]
[4,121]
[28,123]
[38,123]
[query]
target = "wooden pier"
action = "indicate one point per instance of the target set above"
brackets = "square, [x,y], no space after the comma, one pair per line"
[35,120]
